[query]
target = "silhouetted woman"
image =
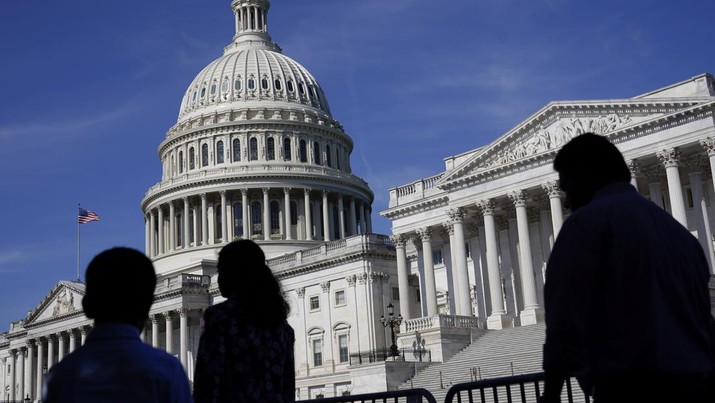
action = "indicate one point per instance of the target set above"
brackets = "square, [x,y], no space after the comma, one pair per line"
[246,346]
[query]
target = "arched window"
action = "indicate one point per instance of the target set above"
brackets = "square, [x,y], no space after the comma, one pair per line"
[203,91]
[236,150]
[181,162]
[192,158]
[237,84]
[316,153]
[251,84]
[238,220]
[275,218]
[270,149]
[277,84]
[301,88]
[264,83]
[213,88]
[338,153]
[256,218]
[286,149]
[303,151]
[291,87]
[253,149]
[219,152]
[328,159]
[218,230]
[204,155]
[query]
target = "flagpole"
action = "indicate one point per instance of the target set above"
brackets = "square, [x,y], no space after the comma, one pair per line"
[78,243]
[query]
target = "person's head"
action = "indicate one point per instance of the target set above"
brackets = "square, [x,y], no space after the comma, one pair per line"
[586,164]
[120,285]
[244,276]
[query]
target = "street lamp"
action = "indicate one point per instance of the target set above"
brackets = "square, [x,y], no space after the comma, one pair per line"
[392,322]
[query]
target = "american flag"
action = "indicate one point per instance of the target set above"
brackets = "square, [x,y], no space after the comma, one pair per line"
[86,216]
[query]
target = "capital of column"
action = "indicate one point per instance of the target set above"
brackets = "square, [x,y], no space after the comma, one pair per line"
[486,206]
[518,197]
[709,145]
[325,193]
[300,291]
[185,199]
[351,279]
[222,193]
[286,190]
[552,189]
[169,315]
[398,240]
[425,234]
[265,191]
[456,215]
[449,227]
[307,191]
[325,285]
[203,196]
[244,192]
[183,312]
[154,318]
[634,167]
[669,157]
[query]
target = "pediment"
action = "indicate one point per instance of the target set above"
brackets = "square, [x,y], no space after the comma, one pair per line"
[542,134]
[64,299]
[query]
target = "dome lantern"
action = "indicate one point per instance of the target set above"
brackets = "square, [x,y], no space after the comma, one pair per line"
[251,17]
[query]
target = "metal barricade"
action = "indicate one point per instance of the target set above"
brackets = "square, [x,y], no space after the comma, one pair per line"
[417,395]
[520,388]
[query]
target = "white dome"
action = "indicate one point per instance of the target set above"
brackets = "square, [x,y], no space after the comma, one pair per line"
[252,73]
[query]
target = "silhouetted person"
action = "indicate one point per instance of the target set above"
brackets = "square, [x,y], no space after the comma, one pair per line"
[114,365]
[246,347]
[626,293]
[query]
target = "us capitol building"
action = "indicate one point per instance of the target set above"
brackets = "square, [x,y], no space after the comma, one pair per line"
[257,154]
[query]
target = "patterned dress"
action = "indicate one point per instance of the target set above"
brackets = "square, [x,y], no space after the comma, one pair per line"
[239,361]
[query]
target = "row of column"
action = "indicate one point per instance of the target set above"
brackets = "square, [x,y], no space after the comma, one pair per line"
[152,332]
[349,216]
[250,18]
[532,312]
[27,365]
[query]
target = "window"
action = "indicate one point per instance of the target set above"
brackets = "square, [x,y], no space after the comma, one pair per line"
[181,162]
[293,213]
[192,158]
[213,88]
[301,88]
[237,84]
[179,230]
[256,218]
[395,294]
[437,256]
[204,155]
[203,91]
[264,83]
[287,156]
[224,85]
[339,297]
[278,84]
[270,149]
[290,86]
[318,352]
[219,152]
[238,220]
[314,303]
[236,150]
[327,156]
[344,353]
[251,84]
[303,151]
[275,218]
[253,149]
[217,228]
[418,296]
[689,197]
[316,153]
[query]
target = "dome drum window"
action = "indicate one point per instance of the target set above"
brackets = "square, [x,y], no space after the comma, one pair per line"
[219,152]
[289,85]
[264,83]
[251,84]
[277,84]
[205,155]
[236,151]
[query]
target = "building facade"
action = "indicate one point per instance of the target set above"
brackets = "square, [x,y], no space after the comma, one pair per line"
[476,237]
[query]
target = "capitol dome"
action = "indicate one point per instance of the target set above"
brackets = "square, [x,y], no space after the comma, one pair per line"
[255,154]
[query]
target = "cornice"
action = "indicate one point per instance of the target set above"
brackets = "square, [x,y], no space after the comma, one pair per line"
[416,206]
[334,262]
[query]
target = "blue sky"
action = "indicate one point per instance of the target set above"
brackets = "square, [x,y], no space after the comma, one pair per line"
[91,87]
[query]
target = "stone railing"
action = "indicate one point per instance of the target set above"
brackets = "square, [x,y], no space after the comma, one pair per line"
[329,250]
[438,321]
[415,190]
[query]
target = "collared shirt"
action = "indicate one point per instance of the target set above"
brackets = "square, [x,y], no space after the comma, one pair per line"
[114,365]
[240,361]
[626,291]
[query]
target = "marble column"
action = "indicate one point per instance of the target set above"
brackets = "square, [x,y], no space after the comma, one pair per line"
[50,352]
[709,145]
[308,219]
[353,217]
[204,222]
[152,233]
[160,230]
[20,374]
[154,331]
[464,305]
[425,235]
[40,369]
[341,216]
[669,158]
[531,313]
[169,332]
[635,170]
[187,227]
[498,318]
[28,369]
[557,217]
[172,226]
[60,346]
[361,212]
[326,217]
[11,373]
[73,343]
[266,215]
[288,218]
[402,275]
[197,225]
[183,339]
[245,212]
[83,335]
[224,218]
[147,236]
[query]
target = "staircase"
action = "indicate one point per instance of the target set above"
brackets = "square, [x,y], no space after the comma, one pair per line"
[495,354]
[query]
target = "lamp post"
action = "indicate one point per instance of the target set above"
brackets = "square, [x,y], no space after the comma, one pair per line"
[392,322]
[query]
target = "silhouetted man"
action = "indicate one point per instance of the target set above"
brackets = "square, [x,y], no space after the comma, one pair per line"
[114,365]
[626,294]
